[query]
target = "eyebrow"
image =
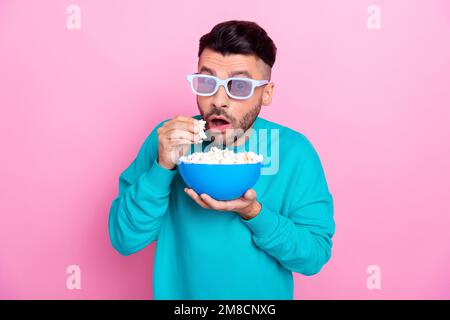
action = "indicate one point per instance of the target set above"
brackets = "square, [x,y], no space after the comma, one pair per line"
[243,72]
[235,73]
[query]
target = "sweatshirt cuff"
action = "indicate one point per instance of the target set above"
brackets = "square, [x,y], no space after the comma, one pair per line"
[264,223]
[159,179]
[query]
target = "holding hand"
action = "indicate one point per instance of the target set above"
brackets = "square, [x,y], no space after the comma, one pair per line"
[246,206]
[174,139]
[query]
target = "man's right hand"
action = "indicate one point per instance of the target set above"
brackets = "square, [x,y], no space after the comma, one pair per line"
[174,139]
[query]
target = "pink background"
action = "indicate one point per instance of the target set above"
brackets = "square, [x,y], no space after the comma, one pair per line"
[76,105]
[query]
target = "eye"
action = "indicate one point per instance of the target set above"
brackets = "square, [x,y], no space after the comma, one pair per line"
[240,87]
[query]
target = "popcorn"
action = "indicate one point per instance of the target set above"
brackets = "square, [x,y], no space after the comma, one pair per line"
[219,156]
[201,125]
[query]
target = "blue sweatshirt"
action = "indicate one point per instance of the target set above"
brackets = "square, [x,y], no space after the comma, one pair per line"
[208,254]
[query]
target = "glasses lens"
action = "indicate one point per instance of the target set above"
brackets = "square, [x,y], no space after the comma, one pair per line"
[203,84]
[240,88]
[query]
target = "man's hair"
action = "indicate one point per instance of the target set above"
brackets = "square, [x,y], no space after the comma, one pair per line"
[240,37]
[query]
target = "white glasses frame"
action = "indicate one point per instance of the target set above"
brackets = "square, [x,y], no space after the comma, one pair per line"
[224,83]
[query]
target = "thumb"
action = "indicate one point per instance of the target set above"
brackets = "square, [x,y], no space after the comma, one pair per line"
[250,195]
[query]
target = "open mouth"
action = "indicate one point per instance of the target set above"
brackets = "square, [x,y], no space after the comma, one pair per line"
[218,124]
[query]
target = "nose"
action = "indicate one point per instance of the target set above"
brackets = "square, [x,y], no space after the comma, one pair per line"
[221,99]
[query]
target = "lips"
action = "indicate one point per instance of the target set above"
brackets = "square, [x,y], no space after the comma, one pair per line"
[218,123]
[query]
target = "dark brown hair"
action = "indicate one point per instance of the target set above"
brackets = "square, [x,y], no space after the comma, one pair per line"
[240,37]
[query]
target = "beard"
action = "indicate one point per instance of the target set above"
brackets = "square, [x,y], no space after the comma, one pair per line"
[238,127]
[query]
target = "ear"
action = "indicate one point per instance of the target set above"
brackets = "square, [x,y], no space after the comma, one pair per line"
[267,94]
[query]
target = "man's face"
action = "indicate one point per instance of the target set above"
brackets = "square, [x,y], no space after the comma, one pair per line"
[240,114]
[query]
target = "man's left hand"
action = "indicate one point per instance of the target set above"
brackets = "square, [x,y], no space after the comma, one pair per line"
[246,206]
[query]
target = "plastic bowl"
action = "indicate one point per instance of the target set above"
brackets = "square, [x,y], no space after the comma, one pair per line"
[220,181]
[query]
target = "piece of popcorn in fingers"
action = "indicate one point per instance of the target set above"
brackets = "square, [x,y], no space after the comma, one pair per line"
[201,125]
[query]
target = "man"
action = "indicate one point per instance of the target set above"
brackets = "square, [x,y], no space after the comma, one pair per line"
[245,248]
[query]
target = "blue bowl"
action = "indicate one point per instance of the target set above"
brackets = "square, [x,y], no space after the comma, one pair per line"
[220,181]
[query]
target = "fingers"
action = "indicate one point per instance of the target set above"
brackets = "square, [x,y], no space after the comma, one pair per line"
[181,134]
[230,205]
[207,202]
[183,123]
[179,131]
[214,204]
[175,137]
[183,118]
[250,195]
[178,143]
[195,197]
[178,137]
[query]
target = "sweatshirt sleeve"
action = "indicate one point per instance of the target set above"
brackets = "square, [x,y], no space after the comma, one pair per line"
[137,212]
[300,240]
